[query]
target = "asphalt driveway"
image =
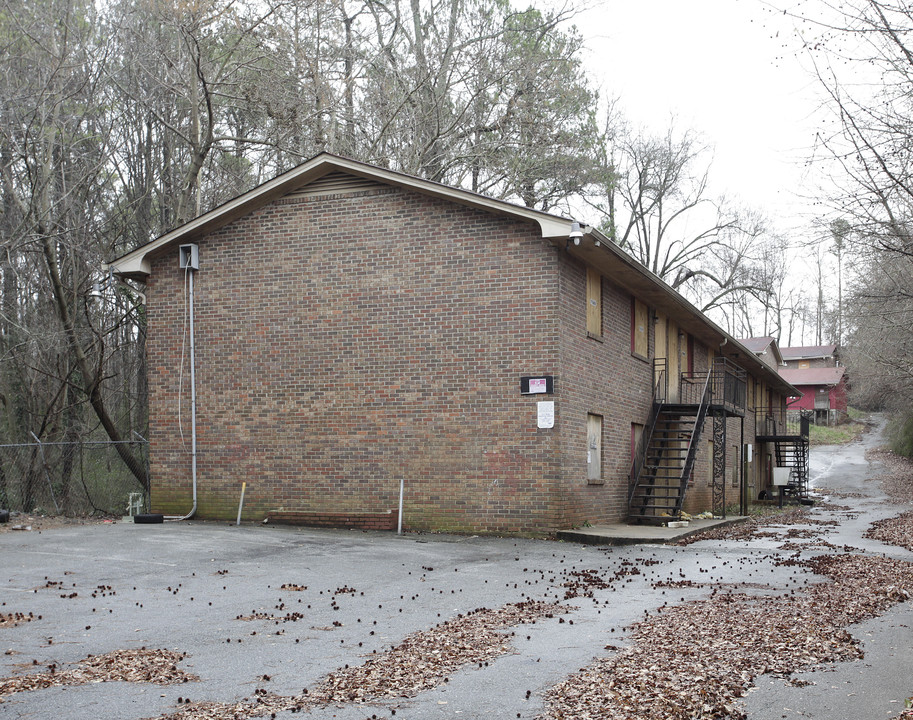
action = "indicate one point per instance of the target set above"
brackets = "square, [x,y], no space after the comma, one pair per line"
[267,611]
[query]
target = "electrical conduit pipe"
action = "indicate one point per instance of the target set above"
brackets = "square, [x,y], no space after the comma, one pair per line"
[193,402]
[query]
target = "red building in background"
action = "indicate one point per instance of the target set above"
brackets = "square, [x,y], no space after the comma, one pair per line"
[823,388]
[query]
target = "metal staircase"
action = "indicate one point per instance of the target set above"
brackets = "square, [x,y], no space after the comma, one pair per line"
[663,464]
[791,446]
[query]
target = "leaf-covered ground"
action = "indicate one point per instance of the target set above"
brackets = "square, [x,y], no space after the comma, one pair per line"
[15,618]
[139,666]
[423,660]
[698,659]
[755,525]
[894,531]
[897,480]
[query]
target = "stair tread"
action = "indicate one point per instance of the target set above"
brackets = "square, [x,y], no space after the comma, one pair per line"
[667,463]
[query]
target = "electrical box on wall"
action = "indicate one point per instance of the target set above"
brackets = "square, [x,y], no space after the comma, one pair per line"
[189,256]
[781,476]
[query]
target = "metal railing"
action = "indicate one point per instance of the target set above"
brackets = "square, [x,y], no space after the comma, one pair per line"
[69,478]
[705,400]
[640,448]
[661,380]
[780,422]
[728,389]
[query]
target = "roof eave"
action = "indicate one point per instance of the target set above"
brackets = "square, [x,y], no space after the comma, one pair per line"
[137,264]
[644,284]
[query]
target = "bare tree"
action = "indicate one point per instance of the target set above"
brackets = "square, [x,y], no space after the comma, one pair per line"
[864,61]
[657,206]
[57,140]
[840,232]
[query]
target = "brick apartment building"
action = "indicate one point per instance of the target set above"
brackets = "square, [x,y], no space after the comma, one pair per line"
[354,327]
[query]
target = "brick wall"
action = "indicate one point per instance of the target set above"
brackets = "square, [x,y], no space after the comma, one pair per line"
[347,341]
[603,377]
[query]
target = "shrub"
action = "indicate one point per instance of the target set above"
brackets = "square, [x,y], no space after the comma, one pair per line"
[900,434]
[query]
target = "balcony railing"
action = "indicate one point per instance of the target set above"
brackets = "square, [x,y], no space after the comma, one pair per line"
[727,387]
[781,422]
[639,450]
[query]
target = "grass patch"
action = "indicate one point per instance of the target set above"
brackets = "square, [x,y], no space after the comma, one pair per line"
[857,415]
[835,435]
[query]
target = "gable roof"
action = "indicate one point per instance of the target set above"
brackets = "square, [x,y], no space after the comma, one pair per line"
[808,352]
[136,264]
[813,376]
[765,348]
[595,249]
[756,344]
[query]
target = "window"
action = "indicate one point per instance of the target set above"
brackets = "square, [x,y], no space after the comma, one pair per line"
[594,449]
[639,322]
[593,303]
[804,364]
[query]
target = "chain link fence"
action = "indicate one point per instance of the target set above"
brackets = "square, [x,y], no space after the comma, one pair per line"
[70,478]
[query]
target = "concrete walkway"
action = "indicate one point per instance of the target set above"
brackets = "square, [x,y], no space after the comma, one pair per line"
[624,534]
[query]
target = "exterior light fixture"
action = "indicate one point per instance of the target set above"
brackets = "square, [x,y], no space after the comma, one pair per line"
[576,233]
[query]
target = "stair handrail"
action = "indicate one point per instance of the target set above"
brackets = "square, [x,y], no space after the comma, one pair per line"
[640,450]
[805,417]
[693,440]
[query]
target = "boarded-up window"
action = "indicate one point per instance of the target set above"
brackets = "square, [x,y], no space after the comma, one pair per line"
[639,338]
[593,302]
[594,449]
[673,368]
[803,364]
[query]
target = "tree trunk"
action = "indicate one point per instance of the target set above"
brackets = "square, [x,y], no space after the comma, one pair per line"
[91,377]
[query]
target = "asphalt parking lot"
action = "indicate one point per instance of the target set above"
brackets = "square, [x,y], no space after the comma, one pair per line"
[274,610]
[103,588]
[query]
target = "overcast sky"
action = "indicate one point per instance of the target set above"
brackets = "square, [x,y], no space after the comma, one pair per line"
[726,68]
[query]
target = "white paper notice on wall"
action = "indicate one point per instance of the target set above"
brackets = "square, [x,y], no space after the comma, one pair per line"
[546,414]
